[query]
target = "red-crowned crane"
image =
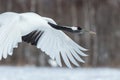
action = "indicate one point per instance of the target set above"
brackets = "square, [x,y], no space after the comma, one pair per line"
[42,32]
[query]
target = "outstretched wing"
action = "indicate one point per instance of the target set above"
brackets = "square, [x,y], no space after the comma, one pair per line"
[10,35]
[56,44]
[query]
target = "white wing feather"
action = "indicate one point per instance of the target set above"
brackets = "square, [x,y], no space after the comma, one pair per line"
[55,43]
[12,27]
[10,35]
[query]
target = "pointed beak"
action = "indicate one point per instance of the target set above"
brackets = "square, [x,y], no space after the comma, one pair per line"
[88,31]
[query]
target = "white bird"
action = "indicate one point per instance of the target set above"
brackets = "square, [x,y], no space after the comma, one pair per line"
[42,32]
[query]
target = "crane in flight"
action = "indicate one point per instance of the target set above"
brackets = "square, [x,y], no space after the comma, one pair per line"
[43,32]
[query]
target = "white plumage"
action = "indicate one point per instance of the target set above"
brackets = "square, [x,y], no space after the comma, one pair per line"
[33,28]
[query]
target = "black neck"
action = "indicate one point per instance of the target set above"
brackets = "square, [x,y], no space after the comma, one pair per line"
[69,29]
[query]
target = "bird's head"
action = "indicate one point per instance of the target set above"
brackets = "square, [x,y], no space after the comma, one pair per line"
[78,29]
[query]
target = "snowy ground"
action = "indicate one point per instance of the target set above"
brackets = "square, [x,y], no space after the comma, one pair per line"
[33,73]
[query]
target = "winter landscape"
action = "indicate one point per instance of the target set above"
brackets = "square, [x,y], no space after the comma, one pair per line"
[101,17]
[45,73]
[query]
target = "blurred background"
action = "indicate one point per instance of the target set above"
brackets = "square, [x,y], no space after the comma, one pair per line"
[101,16]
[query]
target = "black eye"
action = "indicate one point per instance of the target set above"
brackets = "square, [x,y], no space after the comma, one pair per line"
[79,28]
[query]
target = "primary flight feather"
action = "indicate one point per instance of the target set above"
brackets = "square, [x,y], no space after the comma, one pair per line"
[42,32]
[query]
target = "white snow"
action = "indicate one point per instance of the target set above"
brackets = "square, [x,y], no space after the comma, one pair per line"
[38,73]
